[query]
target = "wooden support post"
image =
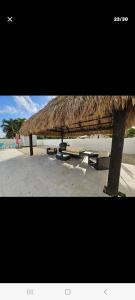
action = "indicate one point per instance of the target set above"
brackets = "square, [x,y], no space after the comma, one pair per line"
[62,136]
[31,145]
[116,153]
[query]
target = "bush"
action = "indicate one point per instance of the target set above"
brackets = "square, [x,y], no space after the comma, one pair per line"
[40,137]
[131,132]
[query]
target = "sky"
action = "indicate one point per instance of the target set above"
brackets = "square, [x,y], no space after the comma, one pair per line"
[20,107]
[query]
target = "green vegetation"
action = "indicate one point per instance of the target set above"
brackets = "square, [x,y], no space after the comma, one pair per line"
[128,133]
[41,137]
[131,132]
[52,137]
[11,127]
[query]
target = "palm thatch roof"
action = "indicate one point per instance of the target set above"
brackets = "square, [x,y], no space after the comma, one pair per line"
[78,115]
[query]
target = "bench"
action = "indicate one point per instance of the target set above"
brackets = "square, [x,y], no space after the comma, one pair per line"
[51,150]
[101,162]
[73,151]
[62,156]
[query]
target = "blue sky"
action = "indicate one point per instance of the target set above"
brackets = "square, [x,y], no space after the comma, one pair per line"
[20,106]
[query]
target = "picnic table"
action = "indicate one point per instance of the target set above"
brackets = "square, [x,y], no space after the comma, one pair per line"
[90,155]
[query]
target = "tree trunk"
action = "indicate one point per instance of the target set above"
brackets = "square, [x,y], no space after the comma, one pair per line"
[62,137]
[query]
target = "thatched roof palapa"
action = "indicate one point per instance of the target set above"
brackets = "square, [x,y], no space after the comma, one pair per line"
[78,115]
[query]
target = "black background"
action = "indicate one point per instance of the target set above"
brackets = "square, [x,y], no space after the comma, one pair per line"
[71,50]
[67,50]
[67,240]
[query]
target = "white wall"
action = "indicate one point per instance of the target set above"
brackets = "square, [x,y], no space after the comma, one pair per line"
[25,140]
[92,143]
[7,142]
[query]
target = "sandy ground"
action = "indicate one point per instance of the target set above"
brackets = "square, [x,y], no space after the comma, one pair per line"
[44,175]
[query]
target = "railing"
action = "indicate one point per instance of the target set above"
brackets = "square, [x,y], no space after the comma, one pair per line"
[2,146]
[8,144]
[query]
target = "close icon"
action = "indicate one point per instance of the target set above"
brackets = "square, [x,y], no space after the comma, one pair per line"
[9,19]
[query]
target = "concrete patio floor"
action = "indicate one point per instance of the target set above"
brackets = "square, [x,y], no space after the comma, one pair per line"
[43,175]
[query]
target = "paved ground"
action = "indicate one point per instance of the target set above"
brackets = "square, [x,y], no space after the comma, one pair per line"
[129,159]
[43,175]
[126,158]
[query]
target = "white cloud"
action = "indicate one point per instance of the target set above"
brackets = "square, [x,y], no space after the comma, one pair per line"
[2,134]
[50,98]
[26,103]
[9,110]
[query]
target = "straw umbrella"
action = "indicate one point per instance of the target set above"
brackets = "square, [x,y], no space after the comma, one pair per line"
[79,115]
[65,112]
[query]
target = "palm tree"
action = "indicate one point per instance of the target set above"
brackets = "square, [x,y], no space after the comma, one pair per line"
[11,127]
